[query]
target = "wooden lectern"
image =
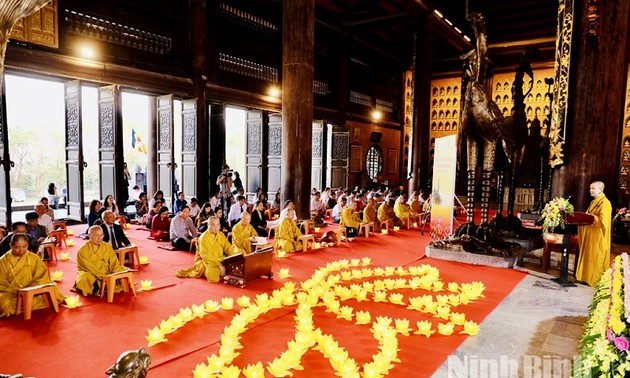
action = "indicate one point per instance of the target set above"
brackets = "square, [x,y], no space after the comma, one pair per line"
[577,219]
[241,268]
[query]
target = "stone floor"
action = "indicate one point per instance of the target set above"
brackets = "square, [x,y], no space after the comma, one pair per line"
[534,332]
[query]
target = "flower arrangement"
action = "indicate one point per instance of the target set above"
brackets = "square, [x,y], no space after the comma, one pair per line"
[552,216]
[606,339]
[620,214]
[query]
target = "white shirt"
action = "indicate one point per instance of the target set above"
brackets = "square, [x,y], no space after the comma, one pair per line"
[46,221]
[194,210]
[337,209]
[284,213]
[235,211]
[214,202]
[316,205]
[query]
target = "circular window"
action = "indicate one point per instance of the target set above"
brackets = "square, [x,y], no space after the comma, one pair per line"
[374,161]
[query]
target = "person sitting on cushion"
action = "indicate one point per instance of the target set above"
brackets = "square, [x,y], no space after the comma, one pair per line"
[350,220]
[20,268]
[287,233]
[161,225]
[44,219]
[183,230]
[242,235]
[213,247]
[94,260]
[152,214]
[259,219]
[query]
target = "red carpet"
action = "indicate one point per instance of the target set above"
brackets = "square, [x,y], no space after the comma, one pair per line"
[84,342]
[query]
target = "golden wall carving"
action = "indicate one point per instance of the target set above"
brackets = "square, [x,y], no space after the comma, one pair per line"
[624,157]
[408,122]
[445,111]
[40,28]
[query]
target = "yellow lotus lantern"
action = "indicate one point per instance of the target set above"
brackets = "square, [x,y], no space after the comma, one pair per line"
[166,327]
[64,256]
[281,254]
[56,275]
[186,314]
[202,371]
[389,271]
[176,321]
[143,260]
[361,295]
[211,306]
[453,300]
[458,318]
[278,367]
[438,286]
[198,311]
[284,273]
[453,287]
[243,301]
[366,261]
[441,299]
[362,317]
[445,329]
[69,243]
[230,372]
[146,284]
[127,226]
[396,228]
[345,312]
[317,229]
[415,224]
[442,311]
[384,232]
[155,336]
[424,328]
[227,303]
[380,296]
[402,326]
[254,371]
[471,328]
[396,298]
[317,245]
[346,275]
[73,301]
[69,232]
[372,370]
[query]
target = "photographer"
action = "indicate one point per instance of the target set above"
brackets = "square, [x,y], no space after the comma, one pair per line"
[224,181]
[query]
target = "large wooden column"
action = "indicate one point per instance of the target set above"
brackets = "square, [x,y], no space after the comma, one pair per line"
[5,162]
[217,143]
[297,102]
[422,105]
[596,100]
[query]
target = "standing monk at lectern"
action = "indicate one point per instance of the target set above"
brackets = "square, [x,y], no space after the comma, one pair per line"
[595,238]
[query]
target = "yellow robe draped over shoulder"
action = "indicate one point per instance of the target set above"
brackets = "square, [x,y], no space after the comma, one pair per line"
[211,250]
[369,215]
[595,242]
[402,210]
[415,206]
[16,274]
[93,262]
[240,238]
[349,218]
[286,236]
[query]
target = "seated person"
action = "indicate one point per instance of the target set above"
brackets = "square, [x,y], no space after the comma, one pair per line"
[113,233]
[235,210]
[134,195]
[33,228]
[350,220]
[369,214]
[401,209]
[259,220]
[94,260]
[18,228]
[21,268]
[360,201]
[287,233]
[204,214]
[110,204]
[194,208]
[276,206]
[318,206]
[336,213]
[386,211]
[152,214]
[161,225]
[242,235]
[214,201]
[50,212]
[142,208]
[332,201]
[94,213]
[183,230]
[414,203]
[213,248]
[179,202]
[224,226]
[44,219]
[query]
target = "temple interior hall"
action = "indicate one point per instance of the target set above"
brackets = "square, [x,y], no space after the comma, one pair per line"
[113,98]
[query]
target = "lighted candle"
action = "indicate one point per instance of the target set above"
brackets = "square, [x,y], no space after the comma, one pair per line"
[72,301]
[146,284]
[415,224]
[56,275]
[143,260]
[64,256]
[155,336]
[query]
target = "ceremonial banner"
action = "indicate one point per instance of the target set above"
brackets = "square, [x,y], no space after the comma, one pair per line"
[443,191]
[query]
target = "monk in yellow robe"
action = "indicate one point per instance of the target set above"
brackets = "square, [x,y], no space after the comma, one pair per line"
[369,214]
[595,239]
[94,260]
[414,203]
[242,235]
[350,220]
[212,248]
[386,212]
[20,268]
[287,233]
[401,209]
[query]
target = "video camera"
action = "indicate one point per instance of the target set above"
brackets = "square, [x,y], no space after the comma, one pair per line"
[227,173]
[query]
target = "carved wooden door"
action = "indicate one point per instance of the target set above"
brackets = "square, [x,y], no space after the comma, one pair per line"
[7,164]
[255,163]
[165,147]
[110,143]
[317,165]
[74,151]
[275,153]
[338,138]
[189,148]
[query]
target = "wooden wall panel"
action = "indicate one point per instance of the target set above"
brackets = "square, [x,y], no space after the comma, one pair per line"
[40,28]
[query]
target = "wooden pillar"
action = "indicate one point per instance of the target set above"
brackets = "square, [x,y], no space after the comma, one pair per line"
[596,101]
[199,47]
[297,102]
[111,143]
[422,105]
[151,178]
[217,143]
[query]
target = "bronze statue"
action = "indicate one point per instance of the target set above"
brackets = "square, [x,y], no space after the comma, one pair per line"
[131,364]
